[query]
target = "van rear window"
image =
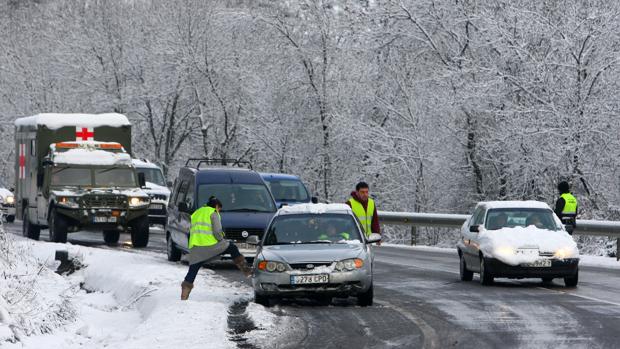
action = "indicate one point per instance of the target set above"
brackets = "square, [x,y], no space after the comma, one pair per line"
[238,197]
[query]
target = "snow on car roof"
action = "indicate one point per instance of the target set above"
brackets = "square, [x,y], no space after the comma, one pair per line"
[315,209]
[56,121]
[515,204]
[91,156]
[139,163]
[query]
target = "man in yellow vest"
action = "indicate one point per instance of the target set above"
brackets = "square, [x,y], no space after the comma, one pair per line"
[365,210]
[206,241]
[566,207]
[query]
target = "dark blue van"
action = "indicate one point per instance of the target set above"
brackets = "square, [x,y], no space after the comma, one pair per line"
[247,205]
[287,189]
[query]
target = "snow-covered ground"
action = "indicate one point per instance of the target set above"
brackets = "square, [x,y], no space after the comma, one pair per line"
[585,260]
[117,299]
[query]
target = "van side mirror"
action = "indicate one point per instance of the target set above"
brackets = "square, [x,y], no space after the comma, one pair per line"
[314,200]
[182,207]
[141,180]
[474,229]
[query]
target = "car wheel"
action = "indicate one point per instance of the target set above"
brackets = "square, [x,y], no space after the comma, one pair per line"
[466,275]
[140,232]
[571,281]
[111,236]
[547,280]
[58,227]
[486,278]
[29,230]
[10,219]
[174,254]
[366,298]
[261,299]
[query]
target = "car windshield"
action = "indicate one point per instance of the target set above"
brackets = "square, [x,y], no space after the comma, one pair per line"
[312,229]
[68,176]
[153,175]
[238,197]
[288,190]
[115,177]
[520,217]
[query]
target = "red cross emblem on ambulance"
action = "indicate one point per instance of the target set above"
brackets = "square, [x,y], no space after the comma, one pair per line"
[22,161]
[84,133]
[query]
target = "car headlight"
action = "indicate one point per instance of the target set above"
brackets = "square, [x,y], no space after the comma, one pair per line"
[504,251]
[10,199]
[138,201]
[271,266]
[563,253]
[349,264]
[68,201]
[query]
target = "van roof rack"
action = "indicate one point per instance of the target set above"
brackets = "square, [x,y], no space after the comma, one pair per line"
[217,162]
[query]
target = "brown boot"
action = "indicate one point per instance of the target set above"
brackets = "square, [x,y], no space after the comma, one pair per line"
[243,266]
[186,288]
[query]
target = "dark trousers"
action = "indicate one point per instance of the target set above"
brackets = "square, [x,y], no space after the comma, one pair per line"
[232,249]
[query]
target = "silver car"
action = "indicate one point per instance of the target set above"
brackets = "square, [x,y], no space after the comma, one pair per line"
[314,250]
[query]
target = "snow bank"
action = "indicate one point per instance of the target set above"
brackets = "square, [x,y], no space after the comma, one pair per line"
[56,121]
[124,299]
[89,156]
[518,245]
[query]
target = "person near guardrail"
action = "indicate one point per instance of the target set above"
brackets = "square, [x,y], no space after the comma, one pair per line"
[566,207]
[364,208]
[206,241]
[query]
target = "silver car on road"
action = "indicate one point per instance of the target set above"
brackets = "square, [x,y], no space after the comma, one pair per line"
[314,250]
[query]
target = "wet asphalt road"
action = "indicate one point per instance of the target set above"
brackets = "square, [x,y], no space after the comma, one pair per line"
[420,303]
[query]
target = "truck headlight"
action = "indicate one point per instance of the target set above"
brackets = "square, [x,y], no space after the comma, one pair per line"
[10,199]
[138,201]
[68,201]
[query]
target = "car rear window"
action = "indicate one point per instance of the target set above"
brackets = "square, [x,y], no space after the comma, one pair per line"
[312,228]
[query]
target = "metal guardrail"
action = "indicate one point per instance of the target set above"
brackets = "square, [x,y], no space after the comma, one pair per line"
[449,220]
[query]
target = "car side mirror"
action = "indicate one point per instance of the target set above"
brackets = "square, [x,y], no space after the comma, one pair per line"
[314,200]
[12,190]
[373,238]
[253,240]
[182,207]
[569,228]
[283,204]
[474,229]
[141,180]
[169,184]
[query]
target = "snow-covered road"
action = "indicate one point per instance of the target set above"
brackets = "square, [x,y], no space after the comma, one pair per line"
[419,303]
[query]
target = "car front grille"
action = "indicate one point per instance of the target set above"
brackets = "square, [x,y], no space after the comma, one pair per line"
[104,200]
[305,266]
[237,234]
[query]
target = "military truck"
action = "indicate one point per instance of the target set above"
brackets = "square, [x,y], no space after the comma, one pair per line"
[74,172]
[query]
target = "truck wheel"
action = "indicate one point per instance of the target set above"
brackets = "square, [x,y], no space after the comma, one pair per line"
[140,232]
[58,227]
[29,230]
[366,298]
[10,219]
[111,236]
[173,252]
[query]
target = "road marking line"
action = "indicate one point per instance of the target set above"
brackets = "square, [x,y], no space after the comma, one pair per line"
[431,340]
[581,296]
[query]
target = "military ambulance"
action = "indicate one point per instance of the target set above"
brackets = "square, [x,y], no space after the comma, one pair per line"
[74,173]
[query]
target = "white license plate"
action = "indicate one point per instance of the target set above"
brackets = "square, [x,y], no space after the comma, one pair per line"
[541,263]
[309,279]
[157,207]
[104,219]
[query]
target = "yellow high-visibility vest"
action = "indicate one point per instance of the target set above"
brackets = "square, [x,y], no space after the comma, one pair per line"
[201,230]
[365,217]
[570,204]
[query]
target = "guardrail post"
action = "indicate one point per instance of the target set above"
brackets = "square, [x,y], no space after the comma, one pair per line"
[414,236]
[617,249]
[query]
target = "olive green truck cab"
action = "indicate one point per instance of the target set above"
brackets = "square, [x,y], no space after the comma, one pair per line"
[73,172]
